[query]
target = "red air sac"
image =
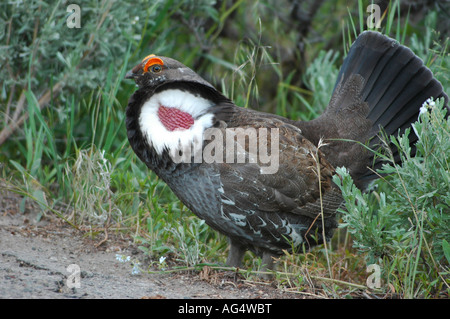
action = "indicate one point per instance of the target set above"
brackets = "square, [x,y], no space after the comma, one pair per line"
[174,119]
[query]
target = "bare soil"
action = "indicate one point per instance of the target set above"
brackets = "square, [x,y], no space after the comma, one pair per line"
[35,255]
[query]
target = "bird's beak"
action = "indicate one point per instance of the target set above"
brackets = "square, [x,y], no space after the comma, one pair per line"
[134,72]
[130,75]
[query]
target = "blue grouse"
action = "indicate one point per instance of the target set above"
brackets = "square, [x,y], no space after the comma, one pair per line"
[188,133]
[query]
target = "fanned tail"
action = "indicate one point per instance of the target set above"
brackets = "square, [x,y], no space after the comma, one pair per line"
[397,82]
[381,85]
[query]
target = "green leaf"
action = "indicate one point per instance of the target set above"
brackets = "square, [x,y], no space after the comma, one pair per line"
[446,249]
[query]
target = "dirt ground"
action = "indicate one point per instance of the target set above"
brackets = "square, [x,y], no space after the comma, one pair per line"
[35,256]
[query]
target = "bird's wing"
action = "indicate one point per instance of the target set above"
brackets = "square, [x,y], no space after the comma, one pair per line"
[290,194]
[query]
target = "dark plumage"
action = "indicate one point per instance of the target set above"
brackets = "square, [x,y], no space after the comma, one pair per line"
[381,84]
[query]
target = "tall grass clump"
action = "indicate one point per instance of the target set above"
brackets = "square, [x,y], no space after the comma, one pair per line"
[404,226]
[42,55]
[93,198]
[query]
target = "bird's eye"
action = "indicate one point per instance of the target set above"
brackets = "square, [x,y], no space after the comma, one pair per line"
[156,68]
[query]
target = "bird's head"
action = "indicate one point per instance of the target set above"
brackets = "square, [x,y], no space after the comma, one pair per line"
[154,70]
[173,105]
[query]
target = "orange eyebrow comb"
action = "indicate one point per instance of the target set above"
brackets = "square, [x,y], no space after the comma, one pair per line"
[151,61]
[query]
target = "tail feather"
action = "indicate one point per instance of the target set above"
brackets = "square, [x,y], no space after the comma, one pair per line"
[381,85]
[397,81]
[389,81]
[399,100]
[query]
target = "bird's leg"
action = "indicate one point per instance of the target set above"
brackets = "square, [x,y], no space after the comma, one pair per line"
[235,254]
[267,264]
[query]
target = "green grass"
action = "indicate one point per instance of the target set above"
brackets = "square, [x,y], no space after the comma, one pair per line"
[402,225]
[73,143]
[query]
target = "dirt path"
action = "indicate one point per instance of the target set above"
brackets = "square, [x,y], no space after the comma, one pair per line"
[34,257]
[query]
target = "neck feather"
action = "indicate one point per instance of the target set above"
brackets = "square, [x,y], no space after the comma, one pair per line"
[173,119]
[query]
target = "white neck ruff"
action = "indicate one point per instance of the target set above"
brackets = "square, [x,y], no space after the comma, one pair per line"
[155,132]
